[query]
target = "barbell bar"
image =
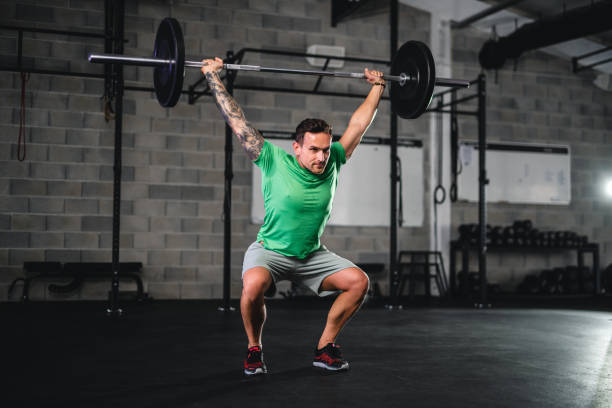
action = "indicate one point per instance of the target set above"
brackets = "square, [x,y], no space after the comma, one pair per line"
[156,62]
[412,74]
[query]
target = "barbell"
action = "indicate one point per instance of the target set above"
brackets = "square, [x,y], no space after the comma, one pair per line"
[413,73]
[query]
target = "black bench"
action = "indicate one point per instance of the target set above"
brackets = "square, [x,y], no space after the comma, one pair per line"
[77,272]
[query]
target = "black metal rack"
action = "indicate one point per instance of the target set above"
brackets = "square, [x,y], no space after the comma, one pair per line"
[113,36]
[114,39]
[480,114]
[464,248]
[231,86]
[442,106]
[20,67]
[230,79]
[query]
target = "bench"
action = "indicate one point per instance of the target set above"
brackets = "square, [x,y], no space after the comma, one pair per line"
[77,272]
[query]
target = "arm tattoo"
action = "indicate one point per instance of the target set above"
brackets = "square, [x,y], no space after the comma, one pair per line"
[251,140]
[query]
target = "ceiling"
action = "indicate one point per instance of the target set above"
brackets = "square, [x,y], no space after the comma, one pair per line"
[508,19]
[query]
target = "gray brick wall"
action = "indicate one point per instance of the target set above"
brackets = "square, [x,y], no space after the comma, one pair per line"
[56,205]
[543,102]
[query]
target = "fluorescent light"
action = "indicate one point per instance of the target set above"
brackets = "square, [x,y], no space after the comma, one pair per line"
[608,188]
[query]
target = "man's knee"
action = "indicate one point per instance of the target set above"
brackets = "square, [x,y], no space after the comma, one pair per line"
[255,282]
[359,282]
[252,290]
[362,283]
[352,280]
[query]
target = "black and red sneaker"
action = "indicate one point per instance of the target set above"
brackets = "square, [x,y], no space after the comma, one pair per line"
[254,363]
[330,358]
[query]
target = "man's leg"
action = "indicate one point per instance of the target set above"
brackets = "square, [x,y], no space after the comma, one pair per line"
[354,283]
[255,282]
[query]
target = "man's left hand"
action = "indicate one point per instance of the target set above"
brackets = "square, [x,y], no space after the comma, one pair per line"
[374,76]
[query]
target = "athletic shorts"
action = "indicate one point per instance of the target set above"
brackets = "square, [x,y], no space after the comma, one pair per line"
[309,272]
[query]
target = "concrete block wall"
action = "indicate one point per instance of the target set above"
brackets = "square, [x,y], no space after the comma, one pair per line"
[542,101]
[56,205]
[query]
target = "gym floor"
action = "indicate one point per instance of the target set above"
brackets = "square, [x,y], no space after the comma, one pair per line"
[187,354]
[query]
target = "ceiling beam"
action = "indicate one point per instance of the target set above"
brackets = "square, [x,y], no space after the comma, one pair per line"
[568,25]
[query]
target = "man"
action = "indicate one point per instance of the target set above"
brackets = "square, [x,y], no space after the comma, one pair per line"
[298,193]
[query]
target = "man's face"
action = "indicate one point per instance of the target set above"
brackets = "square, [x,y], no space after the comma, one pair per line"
[313,154]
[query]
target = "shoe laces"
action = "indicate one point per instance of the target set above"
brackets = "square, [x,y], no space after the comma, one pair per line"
[333,350]
[254,354]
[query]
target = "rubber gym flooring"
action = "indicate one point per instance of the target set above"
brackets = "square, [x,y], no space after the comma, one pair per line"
[187,354]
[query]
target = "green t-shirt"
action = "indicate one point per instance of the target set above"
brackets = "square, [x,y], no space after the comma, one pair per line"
[297,202]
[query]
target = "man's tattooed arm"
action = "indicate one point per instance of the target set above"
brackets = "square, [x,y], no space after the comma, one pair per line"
[252,141]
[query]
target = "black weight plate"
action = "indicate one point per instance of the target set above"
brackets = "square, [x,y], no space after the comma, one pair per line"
[412,99]
[168,79]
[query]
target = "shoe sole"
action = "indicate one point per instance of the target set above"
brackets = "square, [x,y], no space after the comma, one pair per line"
[344,366]
[257,371]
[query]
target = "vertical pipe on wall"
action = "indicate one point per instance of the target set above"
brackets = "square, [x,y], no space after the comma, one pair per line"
[118,34]
[227,202]
[393,271]
[482,184]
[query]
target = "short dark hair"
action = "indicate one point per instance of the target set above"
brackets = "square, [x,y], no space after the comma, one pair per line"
[312,126]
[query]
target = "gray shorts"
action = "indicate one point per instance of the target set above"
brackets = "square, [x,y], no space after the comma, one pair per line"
[309,272]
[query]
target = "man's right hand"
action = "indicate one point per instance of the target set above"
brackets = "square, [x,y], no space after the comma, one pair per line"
[212,66]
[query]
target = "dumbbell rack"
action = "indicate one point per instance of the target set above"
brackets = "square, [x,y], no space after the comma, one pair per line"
[464,248]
